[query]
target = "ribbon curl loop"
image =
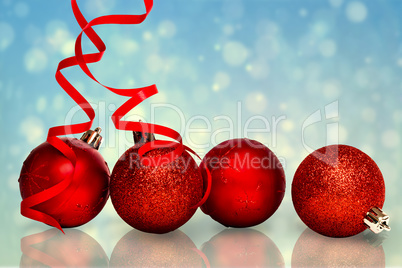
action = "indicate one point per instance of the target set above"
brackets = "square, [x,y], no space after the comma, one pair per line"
[136,96]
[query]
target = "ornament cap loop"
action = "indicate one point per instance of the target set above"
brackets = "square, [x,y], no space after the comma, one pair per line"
[93,137]
[377,220]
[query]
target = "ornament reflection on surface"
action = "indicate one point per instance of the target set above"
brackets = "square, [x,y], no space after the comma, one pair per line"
[242,248]
[315,250]
[53,248]
[139,249]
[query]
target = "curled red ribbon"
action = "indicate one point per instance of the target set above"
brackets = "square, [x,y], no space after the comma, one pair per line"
[137,95]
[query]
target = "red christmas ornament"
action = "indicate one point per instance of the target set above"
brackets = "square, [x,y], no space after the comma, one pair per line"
[242,248]
[338,191]
[248,183]
[314,250]
[155,199]
[138,249]
[54,249]
[46,168]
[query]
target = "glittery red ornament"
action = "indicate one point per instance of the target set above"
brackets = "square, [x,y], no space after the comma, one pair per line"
[155,199]
[334,188]
[55,249]
[314,250]
[138,249]
[248,183]
[242,248]
[85,196]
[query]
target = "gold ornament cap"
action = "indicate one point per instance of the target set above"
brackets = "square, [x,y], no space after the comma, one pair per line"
[142,137]
[377,220]
[93,138]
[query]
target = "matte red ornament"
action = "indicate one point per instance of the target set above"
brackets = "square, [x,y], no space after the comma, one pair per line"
[335,187]
[158,198]
[314,250]
[82,199]
[138,249]
[242,248]
[248,183]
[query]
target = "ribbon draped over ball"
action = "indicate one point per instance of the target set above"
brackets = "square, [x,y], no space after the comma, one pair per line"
[136,96]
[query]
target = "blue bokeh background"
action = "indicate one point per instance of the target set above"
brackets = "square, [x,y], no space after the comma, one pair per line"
[300,74]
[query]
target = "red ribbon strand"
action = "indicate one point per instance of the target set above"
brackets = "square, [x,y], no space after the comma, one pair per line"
[136,96]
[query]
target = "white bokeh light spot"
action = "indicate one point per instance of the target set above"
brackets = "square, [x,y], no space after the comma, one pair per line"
[41,104]
[362,78]
[335,3]
[397,116]
[234,53]
[125,46]
[228,29]
[303,12]
[268,47]
[256,102]
[6,36]
[390,138]
[130,46]
[35,60]
[356,11]
[99,7]
[58,35]
[331,89]
[32,129]
[21,9]
[154,63]
[297,74]
[343,134]
[327,48]
[258,69]
[67,49]
[200,94]
[58,102]
[369,115]
[288,125]
[267,28]
[147,36]
[221,81]
[320,28]
[167,29]
[15,150]
[233,9]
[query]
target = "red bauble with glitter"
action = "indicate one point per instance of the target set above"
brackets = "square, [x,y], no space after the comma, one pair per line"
[155,199]
[248,183]
[88,192]
[335,187]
